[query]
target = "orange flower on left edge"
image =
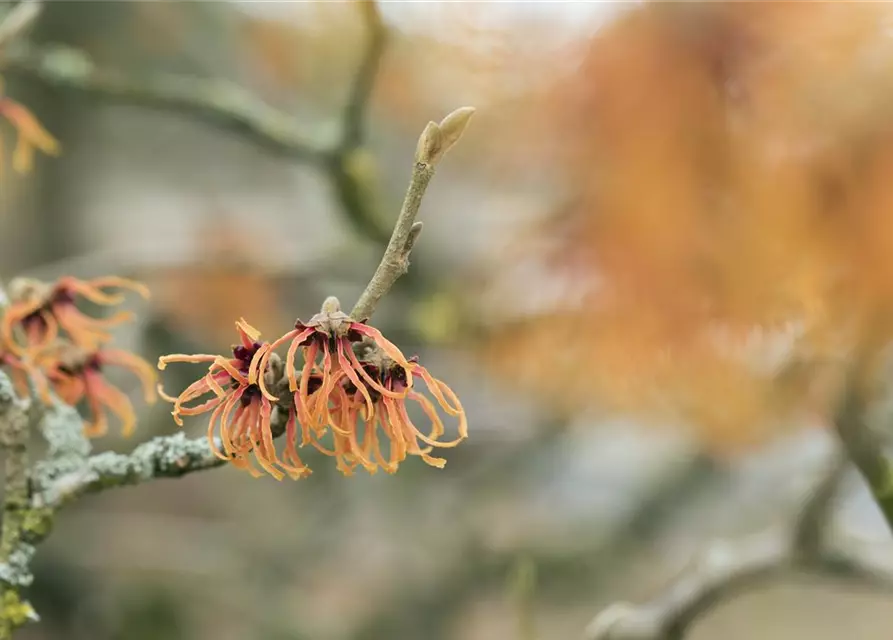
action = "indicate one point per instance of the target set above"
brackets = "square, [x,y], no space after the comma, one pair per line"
[76,374]
[39,310]
[31,134]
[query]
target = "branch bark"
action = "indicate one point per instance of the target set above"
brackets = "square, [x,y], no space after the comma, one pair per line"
[14,552]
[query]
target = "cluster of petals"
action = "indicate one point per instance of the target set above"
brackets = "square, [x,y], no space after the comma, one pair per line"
[343,405]
[49,344]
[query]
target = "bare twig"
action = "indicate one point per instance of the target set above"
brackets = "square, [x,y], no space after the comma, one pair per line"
[723,569]
[434,142]
[729,567]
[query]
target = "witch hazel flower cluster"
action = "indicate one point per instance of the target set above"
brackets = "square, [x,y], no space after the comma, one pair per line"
[49,344]
[349,398]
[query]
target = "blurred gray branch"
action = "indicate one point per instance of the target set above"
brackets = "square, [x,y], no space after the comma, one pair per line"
[864,447]
[232,107]
[210,100]
[725,568]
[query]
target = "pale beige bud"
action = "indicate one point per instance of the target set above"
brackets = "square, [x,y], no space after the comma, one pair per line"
[453,126]
[429,145]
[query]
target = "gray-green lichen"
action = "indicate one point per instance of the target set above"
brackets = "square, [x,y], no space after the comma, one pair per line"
[63,430]
[15,571]
[168,456]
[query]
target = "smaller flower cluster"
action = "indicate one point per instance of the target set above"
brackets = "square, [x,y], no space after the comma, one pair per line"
[50,344]
[350,399]
[31,134]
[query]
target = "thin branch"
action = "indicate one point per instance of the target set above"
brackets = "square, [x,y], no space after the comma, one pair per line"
[162,457]
[723,569]
[216,101]
[433,144]
[726,568]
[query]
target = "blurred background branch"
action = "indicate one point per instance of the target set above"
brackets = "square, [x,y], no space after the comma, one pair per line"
[233,108]
[725,568]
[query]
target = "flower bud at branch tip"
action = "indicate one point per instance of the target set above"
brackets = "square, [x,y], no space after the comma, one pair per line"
[453,126]
[331,305]
[429,144]
[437,139]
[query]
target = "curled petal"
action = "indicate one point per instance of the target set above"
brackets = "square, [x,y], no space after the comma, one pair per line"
[14,314]
[70,389]
[212,440]
[230,366]
[31,135]
[388,347]
[226,427]
[262,440]
[86,332]
[404,419]
[393,429]
[142,369]
[350,366]
[108,396]
[248,334]
[262,378]
[163,361]
[439,389]
[293,465]
[371,382]
[92,290]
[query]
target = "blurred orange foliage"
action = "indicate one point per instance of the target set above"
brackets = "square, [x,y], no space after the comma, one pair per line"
[728,175]
[226,279]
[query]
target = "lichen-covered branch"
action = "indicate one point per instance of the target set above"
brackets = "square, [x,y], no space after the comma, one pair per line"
[68,473]
[162,457]
[726,568]
[434,142]
[14,552]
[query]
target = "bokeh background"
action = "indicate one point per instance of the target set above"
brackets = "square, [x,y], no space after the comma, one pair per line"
[637,176]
